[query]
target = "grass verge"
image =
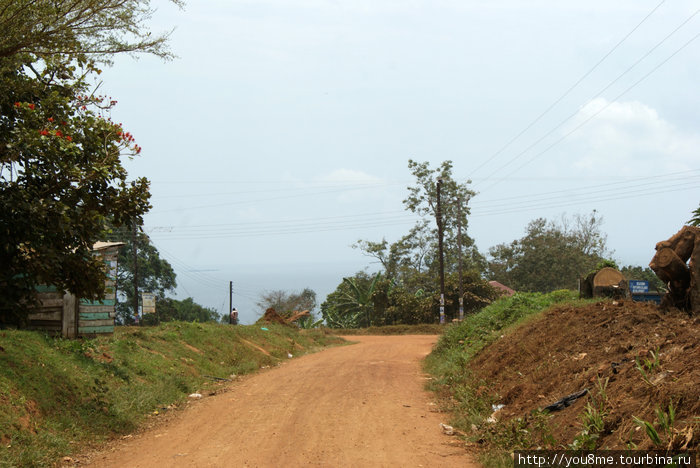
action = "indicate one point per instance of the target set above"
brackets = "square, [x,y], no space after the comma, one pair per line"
[464,395]
[58,397]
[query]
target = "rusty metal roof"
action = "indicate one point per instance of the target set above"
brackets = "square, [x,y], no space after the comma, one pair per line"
[106,245]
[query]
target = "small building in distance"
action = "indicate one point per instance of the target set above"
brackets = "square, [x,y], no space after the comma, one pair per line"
[504,290]
[61,313]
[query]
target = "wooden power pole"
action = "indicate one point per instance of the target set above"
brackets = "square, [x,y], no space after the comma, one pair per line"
[459,256]
[136,274]
[442,257]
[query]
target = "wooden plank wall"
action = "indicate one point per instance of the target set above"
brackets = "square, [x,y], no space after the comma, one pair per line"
[48,316]
[97,317]
[57,312]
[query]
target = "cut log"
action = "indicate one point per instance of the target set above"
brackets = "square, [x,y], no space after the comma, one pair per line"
[669,267]
[682,242]
[694,268]
[607,277]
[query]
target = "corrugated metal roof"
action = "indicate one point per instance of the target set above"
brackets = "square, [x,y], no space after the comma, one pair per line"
[106,245]
[506,290]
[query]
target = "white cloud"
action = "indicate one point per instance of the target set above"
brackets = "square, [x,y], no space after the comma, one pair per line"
[629,138]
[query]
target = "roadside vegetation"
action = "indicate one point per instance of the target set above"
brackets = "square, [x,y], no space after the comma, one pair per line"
[59,396]
[461,392]
[554,372]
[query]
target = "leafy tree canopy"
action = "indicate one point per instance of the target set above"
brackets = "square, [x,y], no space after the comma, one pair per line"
[695,220]
[373,300]
[186,310]
[98,28]
[155,274]
[551,255]
[409,289]
[636,272]
[61,172]
[416,252]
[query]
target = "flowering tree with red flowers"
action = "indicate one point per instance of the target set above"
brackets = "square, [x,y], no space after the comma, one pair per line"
[61,175]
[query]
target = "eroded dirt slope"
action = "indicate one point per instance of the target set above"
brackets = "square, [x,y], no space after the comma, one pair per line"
[570,349]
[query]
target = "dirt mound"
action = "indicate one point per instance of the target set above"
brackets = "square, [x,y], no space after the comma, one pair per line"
[649,358]
[271,316]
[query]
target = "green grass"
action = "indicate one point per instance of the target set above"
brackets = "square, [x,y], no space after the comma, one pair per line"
[58,396]
[461,392]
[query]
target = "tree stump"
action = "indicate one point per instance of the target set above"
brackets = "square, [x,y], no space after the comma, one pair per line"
[682,280]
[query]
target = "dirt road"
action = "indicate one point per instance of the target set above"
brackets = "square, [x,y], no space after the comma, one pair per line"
[360,405]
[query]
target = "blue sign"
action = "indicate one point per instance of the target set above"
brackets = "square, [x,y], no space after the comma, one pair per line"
[639,286]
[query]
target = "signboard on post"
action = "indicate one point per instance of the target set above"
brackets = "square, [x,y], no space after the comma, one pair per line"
[148,301]
[639,286]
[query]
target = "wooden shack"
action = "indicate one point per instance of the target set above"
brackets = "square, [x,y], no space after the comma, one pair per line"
[62,313]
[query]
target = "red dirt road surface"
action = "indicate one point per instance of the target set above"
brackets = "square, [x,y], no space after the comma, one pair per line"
[360,405]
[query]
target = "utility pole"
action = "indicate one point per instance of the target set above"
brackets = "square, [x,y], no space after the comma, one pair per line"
[442,257]
[459,256]
[230,302]
[136,273]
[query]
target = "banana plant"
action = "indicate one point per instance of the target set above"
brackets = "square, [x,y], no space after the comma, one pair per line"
[358,300]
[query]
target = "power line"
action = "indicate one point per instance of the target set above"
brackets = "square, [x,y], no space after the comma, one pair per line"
[382,214]
[595,114]
[585,191]
[498,209]
[297,230]
[568,91]
[634,194]
[285,190]
[281,197]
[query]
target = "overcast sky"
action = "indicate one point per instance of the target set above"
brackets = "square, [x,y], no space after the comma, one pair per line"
[282,132]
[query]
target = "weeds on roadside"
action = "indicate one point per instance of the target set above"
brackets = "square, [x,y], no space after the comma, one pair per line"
[665,420]
[647,367]
[592,419]
[521,433]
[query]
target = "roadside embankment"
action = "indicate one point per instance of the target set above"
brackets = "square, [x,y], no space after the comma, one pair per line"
[57,397]
[576,375]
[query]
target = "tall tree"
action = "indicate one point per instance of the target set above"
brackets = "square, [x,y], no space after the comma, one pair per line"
[155,275]
[185,310]
[455,198]
[61,172]
[97,28]
[551,255]
[410,292]
[416,252]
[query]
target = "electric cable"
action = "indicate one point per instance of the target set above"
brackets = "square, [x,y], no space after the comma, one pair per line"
[568,91]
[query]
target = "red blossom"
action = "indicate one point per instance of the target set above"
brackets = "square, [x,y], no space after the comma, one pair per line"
[18,104]
[58,133]
[50,119]
[68,137]
[31,106]
[43,132]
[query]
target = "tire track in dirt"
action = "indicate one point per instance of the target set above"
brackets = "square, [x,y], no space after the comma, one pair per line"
[358,405]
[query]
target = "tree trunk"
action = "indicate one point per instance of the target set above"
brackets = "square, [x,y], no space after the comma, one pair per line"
[669,264]
[669,267]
